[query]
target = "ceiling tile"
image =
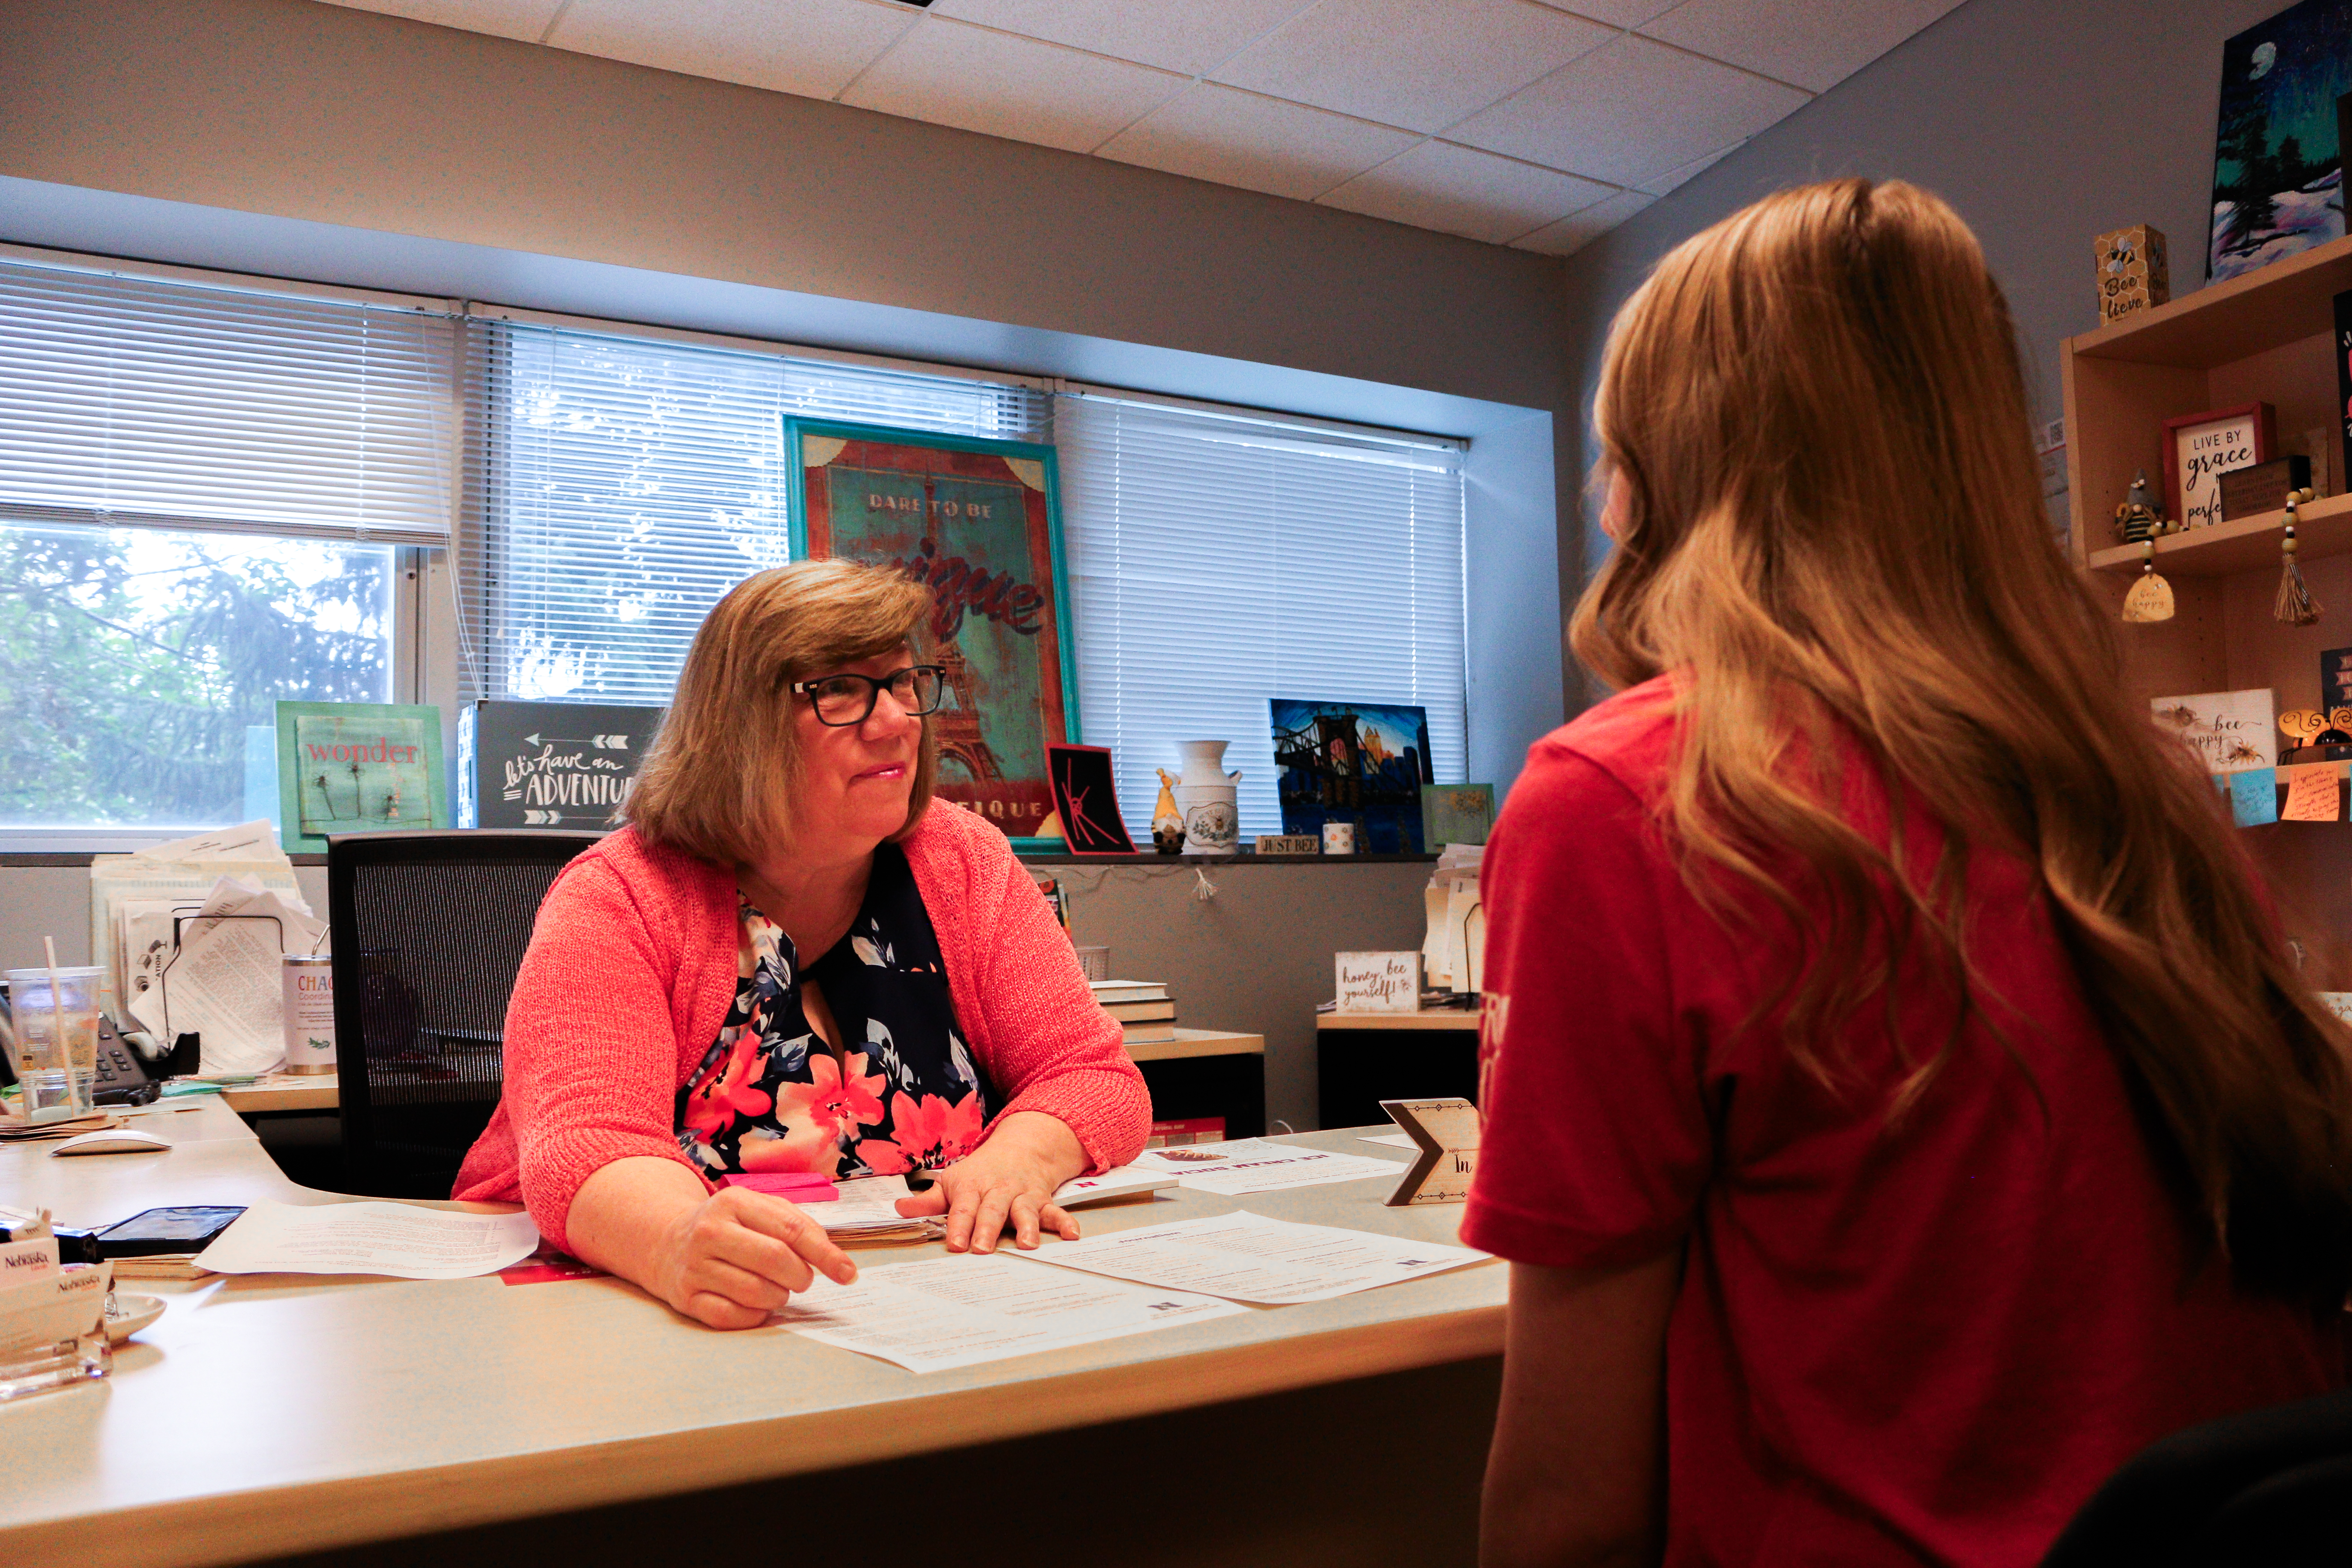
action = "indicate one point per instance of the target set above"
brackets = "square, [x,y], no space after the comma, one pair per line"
[1816,44]
[1616,13]
[525,19]
[1630,113]
[951,74]
[1236,138]
[1674,179]
[1458,191]
[1422,64]
[1574,232]
[1187,36]
[814,47]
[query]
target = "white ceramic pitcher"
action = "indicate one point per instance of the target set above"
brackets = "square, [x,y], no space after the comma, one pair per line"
[1206,794]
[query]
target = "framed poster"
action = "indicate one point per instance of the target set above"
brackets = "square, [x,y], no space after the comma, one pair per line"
[357,767]
[981,523]
[2277,175]
[2199,448]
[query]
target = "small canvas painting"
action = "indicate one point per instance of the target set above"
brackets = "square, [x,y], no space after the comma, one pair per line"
[1456,813]
[1361,763]
[2277,182]
[358,767]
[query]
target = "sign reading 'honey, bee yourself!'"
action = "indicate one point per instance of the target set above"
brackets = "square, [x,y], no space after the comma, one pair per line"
[2232,731]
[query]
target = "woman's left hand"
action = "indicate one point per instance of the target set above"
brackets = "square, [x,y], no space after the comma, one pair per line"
[1008,1181]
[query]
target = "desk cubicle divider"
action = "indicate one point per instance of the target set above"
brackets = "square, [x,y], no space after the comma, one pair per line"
[429,929]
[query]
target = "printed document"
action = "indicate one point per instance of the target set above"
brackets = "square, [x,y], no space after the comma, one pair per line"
[1254,1165]
[1249,1257]
[405,1242]
[972,1307]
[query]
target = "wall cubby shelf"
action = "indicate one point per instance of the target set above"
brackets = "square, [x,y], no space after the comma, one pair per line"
[2267,336]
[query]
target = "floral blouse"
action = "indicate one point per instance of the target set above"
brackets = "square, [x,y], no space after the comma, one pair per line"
[772,1095]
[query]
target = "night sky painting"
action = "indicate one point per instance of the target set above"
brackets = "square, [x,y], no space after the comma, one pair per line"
[2277,184]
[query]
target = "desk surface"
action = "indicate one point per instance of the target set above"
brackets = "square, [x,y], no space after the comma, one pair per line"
[268,1415]
[1467,1020]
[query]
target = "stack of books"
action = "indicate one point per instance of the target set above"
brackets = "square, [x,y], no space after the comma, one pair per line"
[1145,1010]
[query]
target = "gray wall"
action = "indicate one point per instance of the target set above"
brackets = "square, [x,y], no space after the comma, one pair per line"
[295,139]
[2044,124]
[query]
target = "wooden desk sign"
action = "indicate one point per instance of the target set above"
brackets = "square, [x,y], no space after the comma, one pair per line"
[1289,844]
[1378,982]
[1446,1131]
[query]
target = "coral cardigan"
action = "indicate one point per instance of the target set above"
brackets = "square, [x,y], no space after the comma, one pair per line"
[632,966]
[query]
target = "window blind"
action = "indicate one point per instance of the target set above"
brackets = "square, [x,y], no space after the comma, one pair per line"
[1220,559]
[139,401]
[624,484]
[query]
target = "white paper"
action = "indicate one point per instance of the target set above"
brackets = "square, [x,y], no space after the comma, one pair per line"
[1253,1165]
[954,1311]
[1249,1257]
[398,1239]
[115,879]
[224,981]
[1120,1181]
[254,840]
[1394,1140]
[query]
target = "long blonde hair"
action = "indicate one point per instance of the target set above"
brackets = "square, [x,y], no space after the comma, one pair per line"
[1835,525]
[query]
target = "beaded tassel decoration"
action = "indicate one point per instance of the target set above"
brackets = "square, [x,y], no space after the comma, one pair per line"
[2150,598]
[2295,606]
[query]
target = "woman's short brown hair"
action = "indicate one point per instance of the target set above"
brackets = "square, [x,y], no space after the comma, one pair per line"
[717,781]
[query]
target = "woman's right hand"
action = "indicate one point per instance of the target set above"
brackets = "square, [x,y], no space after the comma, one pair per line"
[737,1256]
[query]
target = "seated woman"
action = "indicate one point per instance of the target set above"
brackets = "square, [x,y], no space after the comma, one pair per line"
[794,959]
[1902,1105]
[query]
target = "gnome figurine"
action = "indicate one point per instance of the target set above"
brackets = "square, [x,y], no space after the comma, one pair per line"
[2139,518]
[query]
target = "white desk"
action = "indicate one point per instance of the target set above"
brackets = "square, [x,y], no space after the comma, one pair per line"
[272,1414]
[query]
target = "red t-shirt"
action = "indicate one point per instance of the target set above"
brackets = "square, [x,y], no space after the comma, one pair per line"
[1930,1345]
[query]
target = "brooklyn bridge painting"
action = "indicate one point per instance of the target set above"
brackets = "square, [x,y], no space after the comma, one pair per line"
[1353,762]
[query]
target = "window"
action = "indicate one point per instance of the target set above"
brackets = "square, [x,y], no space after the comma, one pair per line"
[201,491]
[1219,559]
[630,482]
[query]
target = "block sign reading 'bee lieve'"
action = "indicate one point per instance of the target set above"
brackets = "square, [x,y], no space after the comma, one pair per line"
[1379,982]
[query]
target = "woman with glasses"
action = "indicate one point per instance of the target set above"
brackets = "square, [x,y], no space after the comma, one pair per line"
[793,959]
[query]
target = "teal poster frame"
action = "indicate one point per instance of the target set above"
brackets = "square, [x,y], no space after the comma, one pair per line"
[427,721]
[796,429]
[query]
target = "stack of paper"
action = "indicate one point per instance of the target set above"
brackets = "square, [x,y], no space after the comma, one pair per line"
[1253,1165]
[398,1239]
[1248,1257]
[136,900]
[867,1209]
[1453,950]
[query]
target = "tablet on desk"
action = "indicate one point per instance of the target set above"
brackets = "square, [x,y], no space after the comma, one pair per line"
[167,1230]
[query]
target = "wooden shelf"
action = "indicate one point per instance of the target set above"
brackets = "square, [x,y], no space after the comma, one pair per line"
[1434,1019]
[2224,323]
[2322,529]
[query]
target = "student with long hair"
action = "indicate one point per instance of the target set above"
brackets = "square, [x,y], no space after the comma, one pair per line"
[1902,1105]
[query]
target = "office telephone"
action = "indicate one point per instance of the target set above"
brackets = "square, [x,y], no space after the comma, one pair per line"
[119,1080]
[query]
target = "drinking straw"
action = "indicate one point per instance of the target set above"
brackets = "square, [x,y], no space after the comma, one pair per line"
[58,1024]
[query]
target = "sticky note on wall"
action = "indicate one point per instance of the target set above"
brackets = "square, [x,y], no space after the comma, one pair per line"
[2253,797]
[2313,793]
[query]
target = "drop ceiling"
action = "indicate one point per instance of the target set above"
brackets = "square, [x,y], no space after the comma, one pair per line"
[1536,123]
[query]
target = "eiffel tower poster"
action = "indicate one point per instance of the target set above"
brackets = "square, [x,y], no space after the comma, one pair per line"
[979,522]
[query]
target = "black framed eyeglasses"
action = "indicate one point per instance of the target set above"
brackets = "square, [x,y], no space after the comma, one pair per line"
[845,700]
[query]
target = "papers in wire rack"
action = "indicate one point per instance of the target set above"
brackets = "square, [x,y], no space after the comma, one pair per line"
[954,1311]
[1249,1257]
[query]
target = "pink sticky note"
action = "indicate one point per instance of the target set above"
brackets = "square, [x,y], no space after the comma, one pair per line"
[800,1186]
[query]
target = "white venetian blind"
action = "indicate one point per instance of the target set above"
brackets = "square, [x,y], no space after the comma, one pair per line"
[623,484]
[1219,559]
[139,401]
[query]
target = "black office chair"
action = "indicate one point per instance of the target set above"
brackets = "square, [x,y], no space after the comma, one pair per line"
[428,931]
[2270,1486]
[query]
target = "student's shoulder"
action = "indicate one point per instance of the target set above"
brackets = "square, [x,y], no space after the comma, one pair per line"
[1615,752]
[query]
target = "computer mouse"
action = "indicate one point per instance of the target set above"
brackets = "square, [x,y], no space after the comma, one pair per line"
[113,1140]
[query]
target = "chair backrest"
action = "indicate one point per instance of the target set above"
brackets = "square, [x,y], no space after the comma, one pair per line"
[428,931]
[2271,1486]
